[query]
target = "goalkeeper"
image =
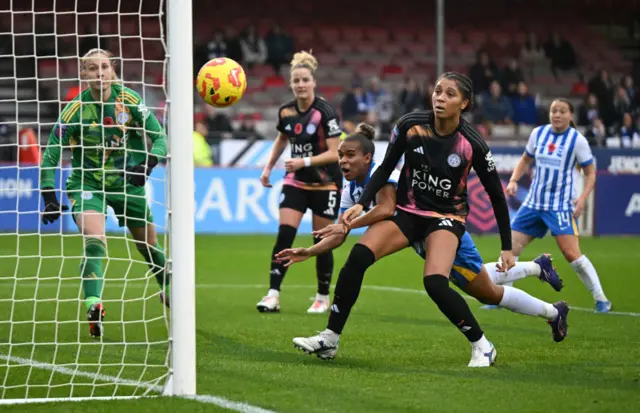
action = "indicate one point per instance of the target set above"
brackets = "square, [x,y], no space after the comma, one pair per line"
[105,127]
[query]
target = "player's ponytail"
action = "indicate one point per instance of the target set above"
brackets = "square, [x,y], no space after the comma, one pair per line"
[364,134]
[304,60]
[107,54]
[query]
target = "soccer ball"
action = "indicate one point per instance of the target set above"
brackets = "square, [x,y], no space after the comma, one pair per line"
[221,82]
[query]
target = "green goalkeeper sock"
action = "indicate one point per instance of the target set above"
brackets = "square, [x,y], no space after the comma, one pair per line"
[91,269]
[154,256]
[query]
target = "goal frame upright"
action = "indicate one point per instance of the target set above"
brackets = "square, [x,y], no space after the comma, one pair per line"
[182,378]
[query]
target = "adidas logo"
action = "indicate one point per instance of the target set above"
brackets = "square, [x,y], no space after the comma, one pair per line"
[275,272]
[419,150]
[328,211]
[445,223]
[335,309]
[287,128]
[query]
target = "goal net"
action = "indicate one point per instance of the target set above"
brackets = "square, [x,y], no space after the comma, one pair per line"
[46,350]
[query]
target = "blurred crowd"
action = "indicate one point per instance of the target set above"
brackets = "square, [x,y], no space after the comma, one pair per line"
[609,114]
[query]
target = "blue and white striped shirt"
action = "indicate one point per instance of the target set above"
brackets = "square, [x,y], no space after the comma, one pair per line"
[556,156]
[352,190]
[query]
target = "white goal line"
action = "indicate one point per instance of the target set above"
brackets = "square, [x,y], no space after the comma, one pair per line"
[149,387]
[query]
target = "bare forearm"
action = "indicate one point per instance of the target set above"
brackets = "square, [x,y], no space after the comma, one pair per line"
[520,169]
[327,244]
[278,147]
[375,214]
[324,158]
[589,184]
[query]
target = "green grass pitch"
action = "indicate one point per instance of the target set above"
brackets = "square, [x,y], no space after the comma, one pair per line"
[398,352]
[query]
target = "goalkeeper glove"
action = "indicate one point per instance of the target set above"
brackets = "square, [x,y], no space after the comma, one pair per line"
[52,209]
[138,174]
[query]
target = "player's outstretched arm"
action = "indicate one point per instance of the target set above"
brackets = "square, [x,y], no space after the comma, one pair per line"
[276,152]
[384,208]
[485,167]
[290,256]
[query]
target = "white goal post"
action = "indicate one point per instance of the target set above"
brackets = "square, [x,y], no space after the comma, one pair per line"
[46,351]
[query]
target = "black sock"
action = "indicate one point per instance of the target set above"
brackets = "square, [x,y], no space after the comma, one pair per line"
[286,235]
[348,286]
[452,305]
[324,269]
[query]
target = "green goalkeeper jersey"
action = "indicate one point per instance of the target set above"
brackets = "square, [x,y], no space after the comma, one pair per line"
[105,138]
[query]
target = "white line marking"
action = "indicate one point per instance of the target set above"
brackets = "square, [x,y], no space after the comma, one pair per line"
[390,289]
[258,286]
[204,398]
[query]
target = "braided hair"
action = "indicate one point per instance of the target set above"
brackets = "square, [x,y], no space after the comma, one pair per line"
[465,86]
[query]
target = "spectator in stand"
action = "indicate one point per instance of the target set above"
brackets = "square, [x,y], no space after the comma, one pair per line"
[602,87]
[532,51]
[588,111]
[622,105]
[561,54]
[248,128]
[511,78]
[410,97]
[627,84]
[216,47]
[427,93]
[201,149]
[234,50]
[382,105]
[219,127]
[495,107]
[355,106]
[580,88]
[254,49]
[596,133]
[483,72]
[279,48]
[629,133]
[8,139]
[525,111]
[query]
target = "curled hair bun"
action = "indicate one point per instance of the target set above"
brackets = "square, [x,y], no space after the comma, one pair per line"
[366,130]
[304,59]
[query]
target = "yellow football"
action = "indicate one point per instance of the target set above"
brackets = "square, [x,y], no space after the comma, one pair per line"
[221,82]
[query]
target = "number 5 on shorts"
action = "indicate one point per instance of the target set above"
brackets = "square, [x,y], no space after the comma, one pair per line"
[332,199]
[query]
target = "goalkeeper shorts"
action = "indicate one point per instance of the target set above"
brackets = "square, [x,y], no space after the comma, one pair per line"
[130,208]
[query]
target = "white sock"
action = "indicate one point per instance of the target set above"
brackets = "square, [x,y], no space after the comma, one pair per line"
[320,297]
[520,271]
[483,343]
[520,302]
[331,334]
[273,293]
[589,277]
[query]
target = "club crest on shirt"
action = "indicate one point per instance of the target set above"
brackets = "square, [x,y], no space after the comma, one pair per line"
[454,160]
[311,129]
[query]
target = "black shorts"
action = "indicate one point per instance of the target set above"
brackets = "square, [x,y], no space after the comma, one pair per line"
[416,228]
[322,203]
